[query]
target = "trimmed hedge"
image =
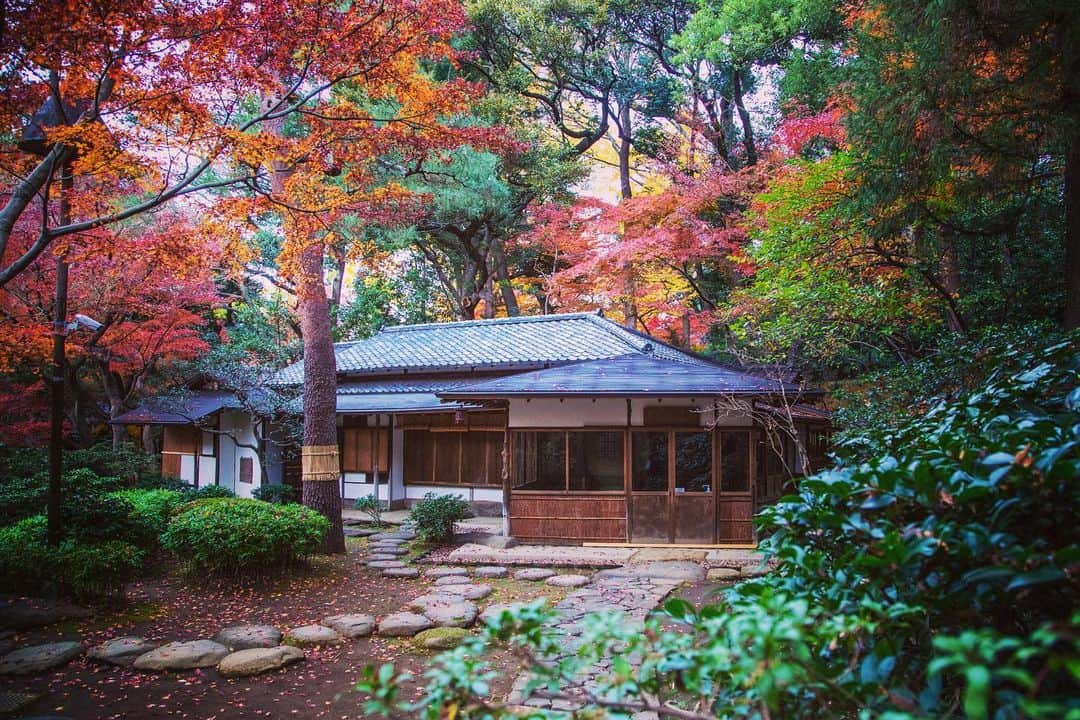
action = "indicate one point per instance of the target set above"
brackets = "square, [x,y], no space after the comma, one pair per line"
[151,508]
[435,516]
[234,536]
[87,571]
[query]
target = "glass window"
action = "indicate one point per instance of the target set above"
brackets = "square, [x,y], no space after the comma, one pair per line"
[649,464]
[693,462]
[735,461]
[596,460]
[540,461]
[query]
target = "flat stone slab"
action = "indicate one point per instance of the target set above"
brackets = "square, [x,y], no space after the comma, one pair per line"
[533,574]
[387,540]
[644,555]
[388,550]
[182,656]
[495,609]
[122,651]
[490,571]
[445,571]
[543,555]
[38,658]
[469,591]
[744,560]
[441,638]
[404,624]
[401,572]
[422,603]
[311,635]
[259,660]
[351,626]
[245,637]
[453,580]
[385,564]
[375,557]
[678,570]
[569,581]
[723,573]
[459,614]
[395,535]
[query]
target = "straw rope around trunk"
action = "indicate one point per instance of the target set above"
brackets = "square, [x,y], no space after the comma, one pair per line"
[320,463]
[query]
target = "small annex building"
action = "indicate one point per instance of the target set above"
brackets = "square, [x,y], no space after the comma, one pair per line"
[572,427]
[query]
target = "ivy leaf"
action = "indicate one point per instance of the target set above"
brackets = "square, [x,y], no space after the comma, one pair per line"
[1045,574]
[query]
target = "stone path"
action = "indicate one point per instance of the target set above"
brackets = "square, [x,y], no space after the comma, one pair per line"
[632,590]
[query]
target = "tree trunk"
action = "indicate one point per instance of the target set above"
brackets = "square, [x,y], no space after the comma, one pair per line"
[321,465]
[950,280]
[744,118]
[624,150]
[502,275]
[1072,232]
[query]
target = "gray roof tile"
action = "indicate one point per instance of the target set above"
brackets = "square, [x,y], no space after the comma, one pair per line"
[518,343]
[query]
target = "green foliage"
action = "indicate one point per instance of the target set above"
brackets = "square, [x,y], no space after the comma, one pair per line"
[372,507]
[435,516]
[151,508]
[207,492]
[935,580]
[238,536]
[279,493]
[25,495]
[84,570]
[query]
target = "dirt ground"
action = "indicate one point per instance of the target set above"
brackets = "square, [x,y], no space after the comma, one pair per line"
[170,607]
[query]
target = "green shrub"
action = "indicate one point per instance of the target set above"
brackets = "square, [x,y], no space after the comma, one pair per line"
[151,508]
[84,570]
[435,516]
[208,492]
[25,495]
[371,506]
[280,494]
[238,536]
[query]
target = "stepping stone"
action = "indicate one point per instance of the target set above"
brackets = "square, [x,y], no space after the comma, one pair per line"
[458,614]
[351,626]
[680,570]
[491,612]
[423,602]
[441,638]
[397,535]
[723,573]
[182,656]
[387,541]
[259,660]
[122,650]
[353,532]
[311,635]
[404,624]
[245,637]
[37,658]
[445,571]
[469,592]
[375,557]
[490,571]
[533,574]
[401,572]
[453,580]
[385,564]
[568,581]
[389,550]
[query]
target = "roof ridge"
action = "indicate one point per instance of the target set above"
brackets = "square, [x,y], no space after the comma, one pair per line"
[509,320]
[619,330]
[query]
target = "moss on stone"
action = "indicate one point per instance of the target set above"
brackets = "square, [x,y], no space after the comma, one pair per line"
[440,638]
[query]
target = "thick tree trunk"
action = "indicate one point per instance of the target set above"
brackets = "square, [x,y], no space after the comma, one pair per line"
[624,151]
[950,280]
[1072,232]
[744,118]
[502,275]
[321,473]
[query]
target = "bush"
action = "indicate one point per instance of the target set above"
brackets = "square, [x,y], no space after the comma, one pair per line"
[207,492]
[26,495]
[84,570]
[435,516]
[151,508]
[372,507]
[238,536]
[280,494]
[937,579]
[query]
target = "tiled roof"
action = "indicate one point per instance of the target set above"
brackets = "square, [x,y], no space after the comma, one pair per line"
[518,343]
[182,410]
[631,375]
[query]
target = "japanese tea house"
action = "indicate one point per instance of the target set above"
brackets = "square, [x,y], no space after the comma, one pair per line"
[572,427]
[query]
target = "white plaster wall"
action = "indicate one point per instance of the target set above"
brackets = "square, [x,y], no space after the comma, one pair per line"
[207,471]
[358,485]
[610,412]
[240,426]
[397,465]
[187,469]
[417,492]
